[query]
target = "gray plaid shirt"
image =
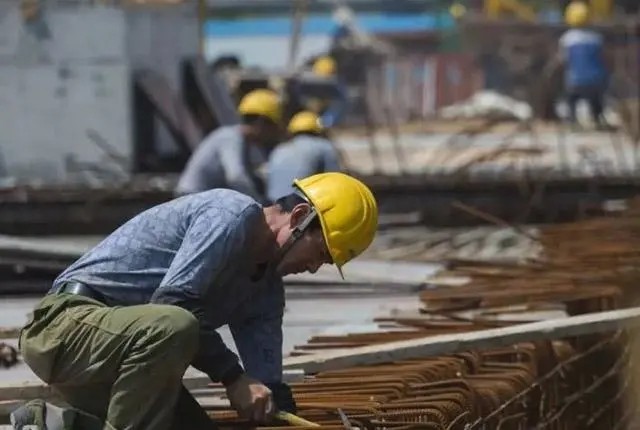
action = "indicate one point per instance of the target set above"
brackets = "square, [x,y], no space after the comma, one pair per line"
[191,252]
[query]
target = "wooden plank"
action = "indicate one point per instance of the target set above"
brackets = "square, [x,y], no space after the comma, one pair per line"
[451,343]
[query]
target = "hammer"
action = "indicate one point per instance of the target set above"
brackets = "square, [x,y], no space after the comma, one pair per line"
[294,420]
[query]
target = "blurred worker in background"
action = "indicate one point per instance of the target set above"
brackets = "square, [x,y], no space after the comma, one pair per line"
[306,153]
[233,156]
[320,90]
[582,53]
[121,325]
[332,108]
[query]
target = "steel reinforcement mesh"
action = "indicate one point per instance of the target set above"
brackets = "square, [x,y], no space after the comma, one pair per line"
[544,385]
[573,383]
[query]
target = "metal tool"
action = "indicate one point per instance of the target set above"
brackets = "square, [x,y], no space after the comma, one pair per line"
[294,420]
[345,420]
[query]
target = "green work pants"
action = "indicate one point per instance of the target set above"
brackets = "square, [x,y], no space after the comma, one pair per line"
[121,364]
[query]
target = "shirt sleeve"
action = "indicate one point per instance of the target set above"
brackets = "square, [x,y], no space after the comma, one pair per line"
[330,160]
[214,240]
[279,176]
[258,336]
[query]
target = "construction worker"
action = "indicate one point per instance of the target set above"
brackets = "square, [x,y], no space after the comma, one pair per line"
[320,90]
[325,66]
[232,156]
[306,153]
[582,53]
[121,324]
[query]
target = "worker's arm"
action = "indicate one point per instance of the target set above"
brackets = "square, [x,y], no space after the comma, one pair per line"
[258,337]
[258,333]
[331,159]
[563,45]
[213,242]
[282,170]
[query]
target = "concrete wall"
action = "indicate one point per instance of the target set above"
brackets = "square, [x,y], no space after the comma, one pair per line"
[160,39]
[62,74]
[68,71]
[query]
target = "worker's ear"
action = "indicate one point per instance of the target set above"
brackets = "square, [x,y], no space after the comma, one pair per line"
[298,214]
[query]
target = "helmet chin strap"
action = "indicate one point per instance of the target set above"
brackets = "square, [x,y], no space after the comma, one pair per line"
[296,234]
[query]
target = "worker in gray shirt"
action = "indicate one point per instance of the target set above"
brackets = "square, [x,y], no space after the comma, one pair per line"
[121,325]
[307,152]
[233,156]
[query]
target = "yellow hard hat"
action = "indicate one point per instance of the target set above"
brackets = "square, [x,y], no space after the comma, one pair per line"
[261,102]
[304,122]
[576,14]
[457,10]
[324,66]
[347,210]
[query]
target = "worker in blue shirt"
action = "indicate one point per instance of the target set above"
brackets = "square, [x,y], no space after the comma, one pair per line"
[234,156]
[307,152]
[582,53]
[120,325]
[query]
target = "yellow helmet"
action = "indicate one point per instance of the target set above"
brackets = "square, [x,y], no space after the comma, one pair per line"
[576,14]
[261,102]
[347,210]
[304,122]
[324,66]
[457,10]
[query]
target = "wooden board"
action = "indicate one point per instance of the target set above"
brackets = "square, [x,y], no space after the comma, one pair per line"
[451,343]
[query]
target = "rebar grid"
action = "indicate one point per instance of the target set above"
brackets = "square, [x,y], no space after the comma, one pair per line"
[574,383]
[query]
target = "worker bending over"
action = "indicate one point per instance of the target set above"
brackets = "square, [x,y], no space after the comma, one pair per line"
[232,156]
[582,52]
[307,152]
[120,325]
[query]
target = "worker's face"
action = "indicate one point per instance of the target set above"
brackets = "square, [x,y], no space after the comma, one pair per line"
[309,252]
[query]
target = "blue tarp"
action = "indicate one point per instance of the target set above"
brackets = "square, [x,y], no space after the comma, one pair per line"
[323,24]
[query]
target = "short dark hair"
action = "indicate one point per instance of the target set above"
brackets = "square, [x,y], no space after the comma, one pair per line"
[290,201]
[256,120]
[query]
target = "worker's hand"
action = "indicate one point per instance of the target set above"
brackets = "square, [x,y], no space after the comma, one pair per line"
[282,397]
[251,399]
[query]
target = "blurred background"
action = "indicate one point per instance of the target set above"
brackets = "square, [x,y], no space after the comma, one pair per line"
[453,99]
[500,138]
